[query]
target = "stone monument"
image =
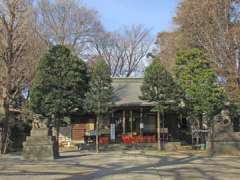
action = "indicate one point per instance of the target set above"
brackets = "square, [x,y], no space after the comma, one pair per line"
[225,140]
[40,145]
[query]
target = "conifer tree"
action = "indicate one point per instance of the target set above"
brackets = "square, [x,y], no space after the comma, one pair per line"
[99,95]
[59,86]
[205,96]
[159,87]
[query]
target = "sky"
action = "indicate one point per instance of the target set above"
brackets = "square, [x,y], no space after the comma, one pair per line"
[155,15]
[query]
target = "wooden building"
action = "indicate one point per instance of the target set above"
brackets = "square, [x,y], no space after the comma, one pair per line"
[129,116]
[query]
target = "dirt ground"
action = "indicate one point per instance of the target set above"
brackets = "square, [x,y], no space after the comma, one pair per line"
[119,165]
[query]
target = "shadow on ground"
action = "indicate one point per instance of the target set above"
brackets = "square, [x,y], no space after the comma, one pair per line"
[117,166]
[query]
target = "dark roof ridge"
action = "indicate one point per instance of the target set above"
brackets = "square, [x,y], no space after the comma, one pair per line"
[127,79]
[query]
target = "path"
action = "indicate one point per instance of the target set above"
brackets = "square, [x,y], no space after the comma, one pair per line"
[122,166]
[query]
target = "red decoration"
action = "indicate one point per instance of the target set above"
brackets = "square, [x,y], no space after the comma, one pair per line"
[103,140]
[130,139]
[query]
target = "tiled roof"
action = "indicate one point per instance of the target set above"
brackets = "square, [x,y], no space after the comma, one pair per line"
[127,92]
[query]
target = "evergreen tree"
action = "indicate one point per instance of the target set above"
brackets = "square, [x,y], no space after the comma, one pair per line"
[159,87]
[59,86]
[200,83]
[99,96]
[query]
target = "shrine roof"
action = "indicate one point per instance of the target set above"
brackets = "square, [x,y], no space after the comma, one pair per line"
[127,92]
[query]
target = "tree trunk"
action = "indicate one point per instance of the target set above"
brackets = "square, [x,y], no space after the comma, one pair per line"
[163,138]
[158,130]
[6,94]
[6,129]
[97,137]
[58,132]
[5,139]
[212,138]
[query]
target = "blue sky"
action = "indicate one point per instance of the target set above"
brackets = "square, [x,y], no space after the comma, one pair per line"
[154,14]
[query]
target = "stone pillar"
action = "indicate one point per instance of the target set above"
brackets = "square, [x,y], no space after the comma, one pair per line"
[39,145]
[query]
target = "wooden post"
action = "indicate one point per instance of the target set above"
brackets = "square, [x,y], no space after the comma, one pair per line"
[141,120]
[112,122]
[124,122]
[97,128]
[192,136]
[158,130]
[131,121]
[163,136]
[97,132]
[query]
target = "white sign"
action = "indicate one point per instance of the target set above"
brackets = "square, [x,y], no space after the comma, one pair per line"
[112,132]
[141,125]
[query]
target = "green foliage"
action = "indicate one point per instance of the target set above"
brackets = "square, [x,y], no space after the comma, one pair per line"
[159,87]
[199,82]
[99,95]
[60,84]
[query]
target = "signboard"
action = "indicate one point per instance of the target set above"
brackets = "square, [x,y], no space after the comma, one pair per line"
[112,132]
[141,125]
[164,130]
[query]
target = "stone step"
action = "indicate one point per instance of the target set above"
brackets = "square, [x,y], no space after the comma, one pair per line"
[39,132]
[40,146]
[37,144]
[35,152]
[39,139]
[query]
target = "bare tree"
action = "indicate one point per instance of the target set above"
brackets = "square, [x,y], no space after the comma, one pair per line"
[125,50]
[137,43]
[66,22]
[110,47]
[18,50]
[214,26]
[166,47]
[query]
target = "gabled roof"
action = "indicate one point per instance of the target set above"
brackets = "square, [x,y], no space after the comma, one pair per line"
[127,92]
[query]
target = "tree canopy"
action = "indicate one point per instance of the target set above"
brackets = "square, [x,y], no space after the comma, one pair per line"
[212,26]
[199,82]
[159,87]
[60,84]
[100,93]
